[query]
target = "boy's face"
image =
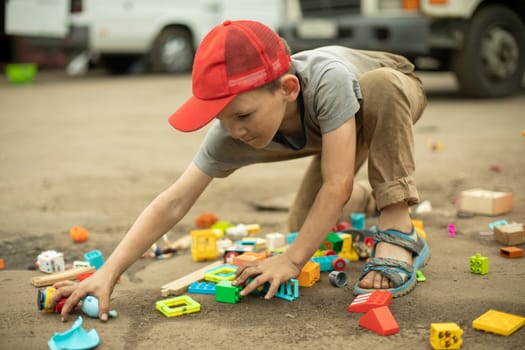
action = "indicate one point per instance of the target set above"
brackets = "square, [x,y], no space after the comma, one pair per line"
[254,117]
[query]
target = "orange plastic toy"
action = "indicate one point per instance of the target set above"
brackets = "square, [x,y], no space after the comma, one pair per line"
[78,234]
[205,220]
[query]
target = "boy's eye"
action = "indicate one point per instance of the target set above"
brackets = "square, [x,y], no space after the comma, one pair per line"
[244,116]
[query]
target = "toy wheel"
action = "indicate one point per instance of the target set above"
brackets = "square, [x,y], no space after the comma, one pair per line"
[329,252]
[339,264]
[229,256]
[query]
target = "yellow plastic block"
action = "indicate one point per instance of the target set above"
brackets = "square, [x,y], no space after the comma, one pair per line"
[347,250]
[177,306]
[445,336]
[203,245]
[225,272]
[498,322]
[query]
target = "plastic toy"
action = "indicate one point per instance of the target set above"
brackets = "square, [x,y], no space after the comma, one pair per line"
[479,264]
[358,221]
[202,288]
[338,278]
[494,224]
[420,277]
[227,293]
[51,261]
[221,225]
[90,307]
[206,220]
[95,258]
[231,252]
[247,257]
[451,230]
[332,242]
[498,322]
[239,231]
[177,306]
[310,273]
[445,336]
[380,320]
[74,338]
[275,240]
[369,301]
[509,234]
[78,234]
[44,297]
[290,237]
[347,250]
[511,252]
[225,272]
[203,245]
[341,226]
[288,290]
[330,263]
[2,264]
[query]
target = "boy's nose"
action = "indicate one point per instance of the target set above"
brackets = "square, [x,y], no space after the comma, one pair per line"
[237,132]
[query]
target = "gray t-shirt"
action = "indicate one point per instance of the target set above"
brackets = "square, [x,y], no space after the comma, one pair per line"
[331,95]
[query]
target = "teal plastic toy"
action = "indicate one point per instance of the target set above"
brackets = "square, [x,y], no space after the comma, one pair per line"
[74,338]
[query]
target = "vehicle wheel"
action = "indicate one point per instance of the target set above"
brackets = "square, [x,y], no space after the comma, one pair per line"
[492,60]
[339,264]
[118,64]
[172,51]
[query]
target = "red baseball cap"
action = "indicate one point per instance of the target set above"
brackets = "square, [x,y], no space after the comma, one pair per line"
[234,57]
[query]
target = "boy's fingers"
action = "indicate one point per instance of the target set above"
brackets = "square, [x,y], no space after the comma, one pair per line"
[103,308]
[244,272]
[69,305]
[61,284]
[253,285]
[272,290]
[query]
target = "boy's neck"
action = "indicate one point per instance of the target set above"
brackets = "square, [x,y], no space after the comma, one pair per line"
[291,125]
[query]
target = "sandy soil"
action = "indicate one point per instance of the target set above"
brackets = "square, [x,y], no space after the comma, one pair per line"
[93,151]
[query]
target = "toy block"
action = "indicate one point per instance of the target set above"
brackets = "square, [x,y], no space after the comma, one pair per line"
[347,249]
[288,290]
[258,243]
[180,285]
[177,306]
[51,261]
[231,252]
[509,234]
[95,258]
[445,336]
[203,245]
[358,221]
[248,257]
[2,264]
[479,201]
[206,220]
[221,225]
[451,230]
[420,277]
[275,240]
[479,264]
[511,252]
[330,262]
[332,242]
[227,293]
[202,288]
[380,320]
[497,223]
[222,245]
[310,273]
[71,274]
[225,272]
[290,237]
[498,322]
[368,301]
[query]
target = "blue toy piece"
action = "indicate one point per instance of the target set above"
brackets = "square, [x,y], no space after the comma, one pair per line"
[95,258]
[75,338]
[288,290]
[90,307]
[330,262]
[202,288]
[494,224]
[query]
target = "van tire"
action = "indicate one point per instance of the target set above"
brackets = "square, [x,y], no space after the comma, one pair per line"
[172,51]
[479,70]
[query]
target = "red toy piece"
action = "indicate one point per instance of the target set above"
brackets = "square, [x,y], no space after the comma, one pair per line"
[380,320]
[368,301]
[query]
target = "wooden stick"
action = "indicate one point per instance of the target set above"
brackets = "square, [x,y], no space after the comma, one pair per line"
[71,274]
[180,285]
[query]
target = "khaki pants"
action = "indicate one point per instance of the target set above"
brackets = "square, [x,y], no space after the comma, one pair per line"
[392,102]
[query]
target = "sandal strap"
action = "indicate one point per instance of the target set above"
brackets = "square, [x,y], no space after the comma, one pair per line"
[397,271]
[407,241]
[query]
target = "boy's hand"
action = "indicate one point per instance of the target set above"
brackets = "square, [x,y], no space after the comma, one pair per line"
[95,285]
[275,270]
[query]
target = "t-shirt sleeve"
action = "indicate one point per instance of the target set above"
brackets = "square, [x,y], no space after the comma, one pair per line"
[337,97]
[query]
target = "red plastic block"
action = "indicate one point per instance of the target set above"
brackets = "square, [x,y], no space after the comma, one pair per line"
[380,320]
[511,252]
[368,301]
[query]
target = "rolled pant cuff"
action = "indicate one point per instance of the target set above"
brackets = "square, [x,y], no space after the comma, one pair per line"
[400,190]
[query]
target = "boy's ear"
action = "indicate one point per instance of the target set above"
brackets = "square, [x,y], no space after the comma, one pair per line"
[290,86]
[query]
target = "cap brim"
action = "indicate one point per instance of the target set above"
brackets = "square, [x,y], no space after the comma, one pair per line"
[196,113]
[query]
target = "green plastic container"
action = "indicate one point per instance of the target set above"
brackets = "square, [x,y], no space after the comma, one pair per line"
[21,73]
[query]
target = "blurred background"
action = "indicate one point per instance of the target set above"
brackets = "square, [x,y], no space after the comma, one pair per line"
[482,42]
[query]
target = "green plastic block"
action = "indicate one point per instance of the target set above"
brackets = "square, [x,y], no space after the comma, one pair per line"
[225,292]
[332,242]
[479,264]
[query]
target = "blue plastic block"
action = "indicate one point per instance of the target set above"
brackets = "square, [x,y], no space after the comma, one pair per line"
[74,338]
[291,237]
[288,290]
[94,258]
[358,221]
[202,288]
[494,224]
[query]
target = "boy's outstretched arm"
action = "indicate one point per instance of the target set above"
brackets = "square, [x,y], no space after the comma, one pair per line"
[338,166]
[166,210]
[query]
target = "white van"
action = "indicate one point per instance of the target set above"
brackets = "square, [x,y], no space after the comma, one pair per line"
[164,33]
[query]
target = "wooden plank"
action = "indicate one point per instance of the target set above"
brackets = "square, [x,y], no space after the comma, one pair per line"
[71,274]
[180,285]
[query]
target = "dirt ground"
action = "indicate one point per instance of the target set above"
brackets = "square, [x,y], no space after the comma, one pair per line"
[93,151]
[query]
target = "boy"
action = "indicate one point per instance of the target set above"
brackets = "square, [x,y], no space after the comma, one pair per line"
[340,105]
